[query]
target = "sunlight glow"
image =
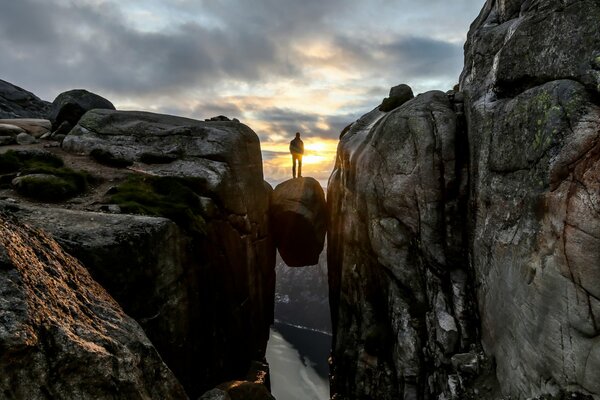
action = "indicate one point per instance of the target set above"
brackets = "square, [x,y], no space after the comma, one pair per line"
[318,160]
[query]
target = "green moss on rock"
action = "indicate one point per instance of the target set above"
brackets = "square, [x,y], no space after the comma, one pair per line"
[168,197]
[43,175]
[14,161]
[46,187]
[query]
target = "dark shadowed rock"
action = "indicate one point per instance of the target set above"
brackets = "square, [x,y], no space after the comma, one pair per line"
[215,394]
[532,89]
[398,95]
[62,336]
[19,103]
[245,390]
[299,221]
[70,106]
[223,278]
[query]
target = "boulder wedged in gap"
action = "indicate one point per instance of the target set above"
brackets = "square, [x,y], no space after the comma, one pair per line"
[299,221]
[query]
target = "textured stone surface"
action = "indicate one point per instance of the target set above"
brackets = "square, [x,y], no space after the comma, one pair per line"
[228,273]
[299,221]
[62,336]
[531,89]
[72,105]
[397,263]
[19,103]
[24,138]
[10,130]
[34,126]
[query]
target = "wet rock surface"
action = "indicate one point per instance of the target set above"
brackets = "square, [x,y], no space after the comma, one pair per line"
[61,333]
[299,221]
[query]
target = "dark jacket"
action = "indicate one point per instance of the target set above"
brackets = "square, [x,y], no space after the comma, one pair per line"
[297,146]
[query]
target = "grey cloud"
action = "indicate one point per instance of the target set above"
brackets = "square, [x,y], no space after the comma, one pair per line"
[87,46]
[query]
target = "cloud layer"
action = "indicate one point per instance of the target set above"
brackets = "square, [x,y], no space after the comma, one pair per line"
[278,65]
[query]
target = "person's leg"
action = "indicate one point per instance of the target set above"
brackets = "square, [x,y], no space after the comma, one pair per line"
[293,166]
[300,166]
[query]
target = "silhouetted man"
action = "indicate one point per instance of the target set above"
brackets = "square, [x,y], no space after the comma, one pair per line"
[297,149]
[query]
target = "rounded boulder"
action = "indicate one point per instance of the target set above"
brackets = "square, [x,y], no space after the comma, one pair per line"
[70,106]
[299,221]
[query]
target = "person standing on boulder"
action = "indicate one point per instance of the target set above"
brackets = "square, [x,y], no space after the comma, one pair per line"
[297,149]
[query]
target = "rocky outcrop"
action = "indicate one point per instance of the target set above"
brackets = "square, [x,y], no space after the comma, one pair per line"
[62,336]
[299,221]
[430,214]
[34,127]
[19,103]
[398,273]
[72,105]
[224,275]
[531,81]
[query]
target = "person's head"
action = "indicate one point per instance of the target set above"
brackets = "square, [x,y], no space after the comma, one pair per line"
[298,134]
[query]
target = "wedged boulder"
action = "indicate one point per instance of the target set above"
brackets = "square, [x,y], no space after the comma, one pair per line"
[299,221]
[62,336]
[71,105]
[531,83]
[19,103]
[399,294]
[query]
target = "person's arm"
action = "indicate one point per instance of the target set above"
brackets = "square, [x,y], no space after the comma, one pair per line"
[301,147]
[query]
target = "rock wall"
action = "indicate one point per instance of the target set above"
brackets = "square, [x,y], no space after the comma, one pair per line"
[61,334]
[531,78]
[449,233]
[204,297]
[398,273]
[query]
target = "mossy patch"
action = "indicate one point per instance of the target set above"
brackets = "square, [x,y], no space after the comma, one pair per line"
[14,161]
[107,158]
[50,180]
[46,187]
[168,197]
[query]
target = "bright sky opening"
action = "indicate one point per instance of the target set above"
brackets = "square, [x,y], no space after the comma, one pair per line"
[280,66]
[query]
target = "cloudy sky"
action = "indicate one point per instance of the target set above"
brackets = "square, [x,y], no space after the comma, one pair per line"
[280,66]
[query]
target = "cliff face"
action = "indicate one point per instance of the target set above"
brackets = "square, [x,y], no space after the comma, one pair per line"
[398,275]
[202,288]
[531,81]
[62,335]
[428,220]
